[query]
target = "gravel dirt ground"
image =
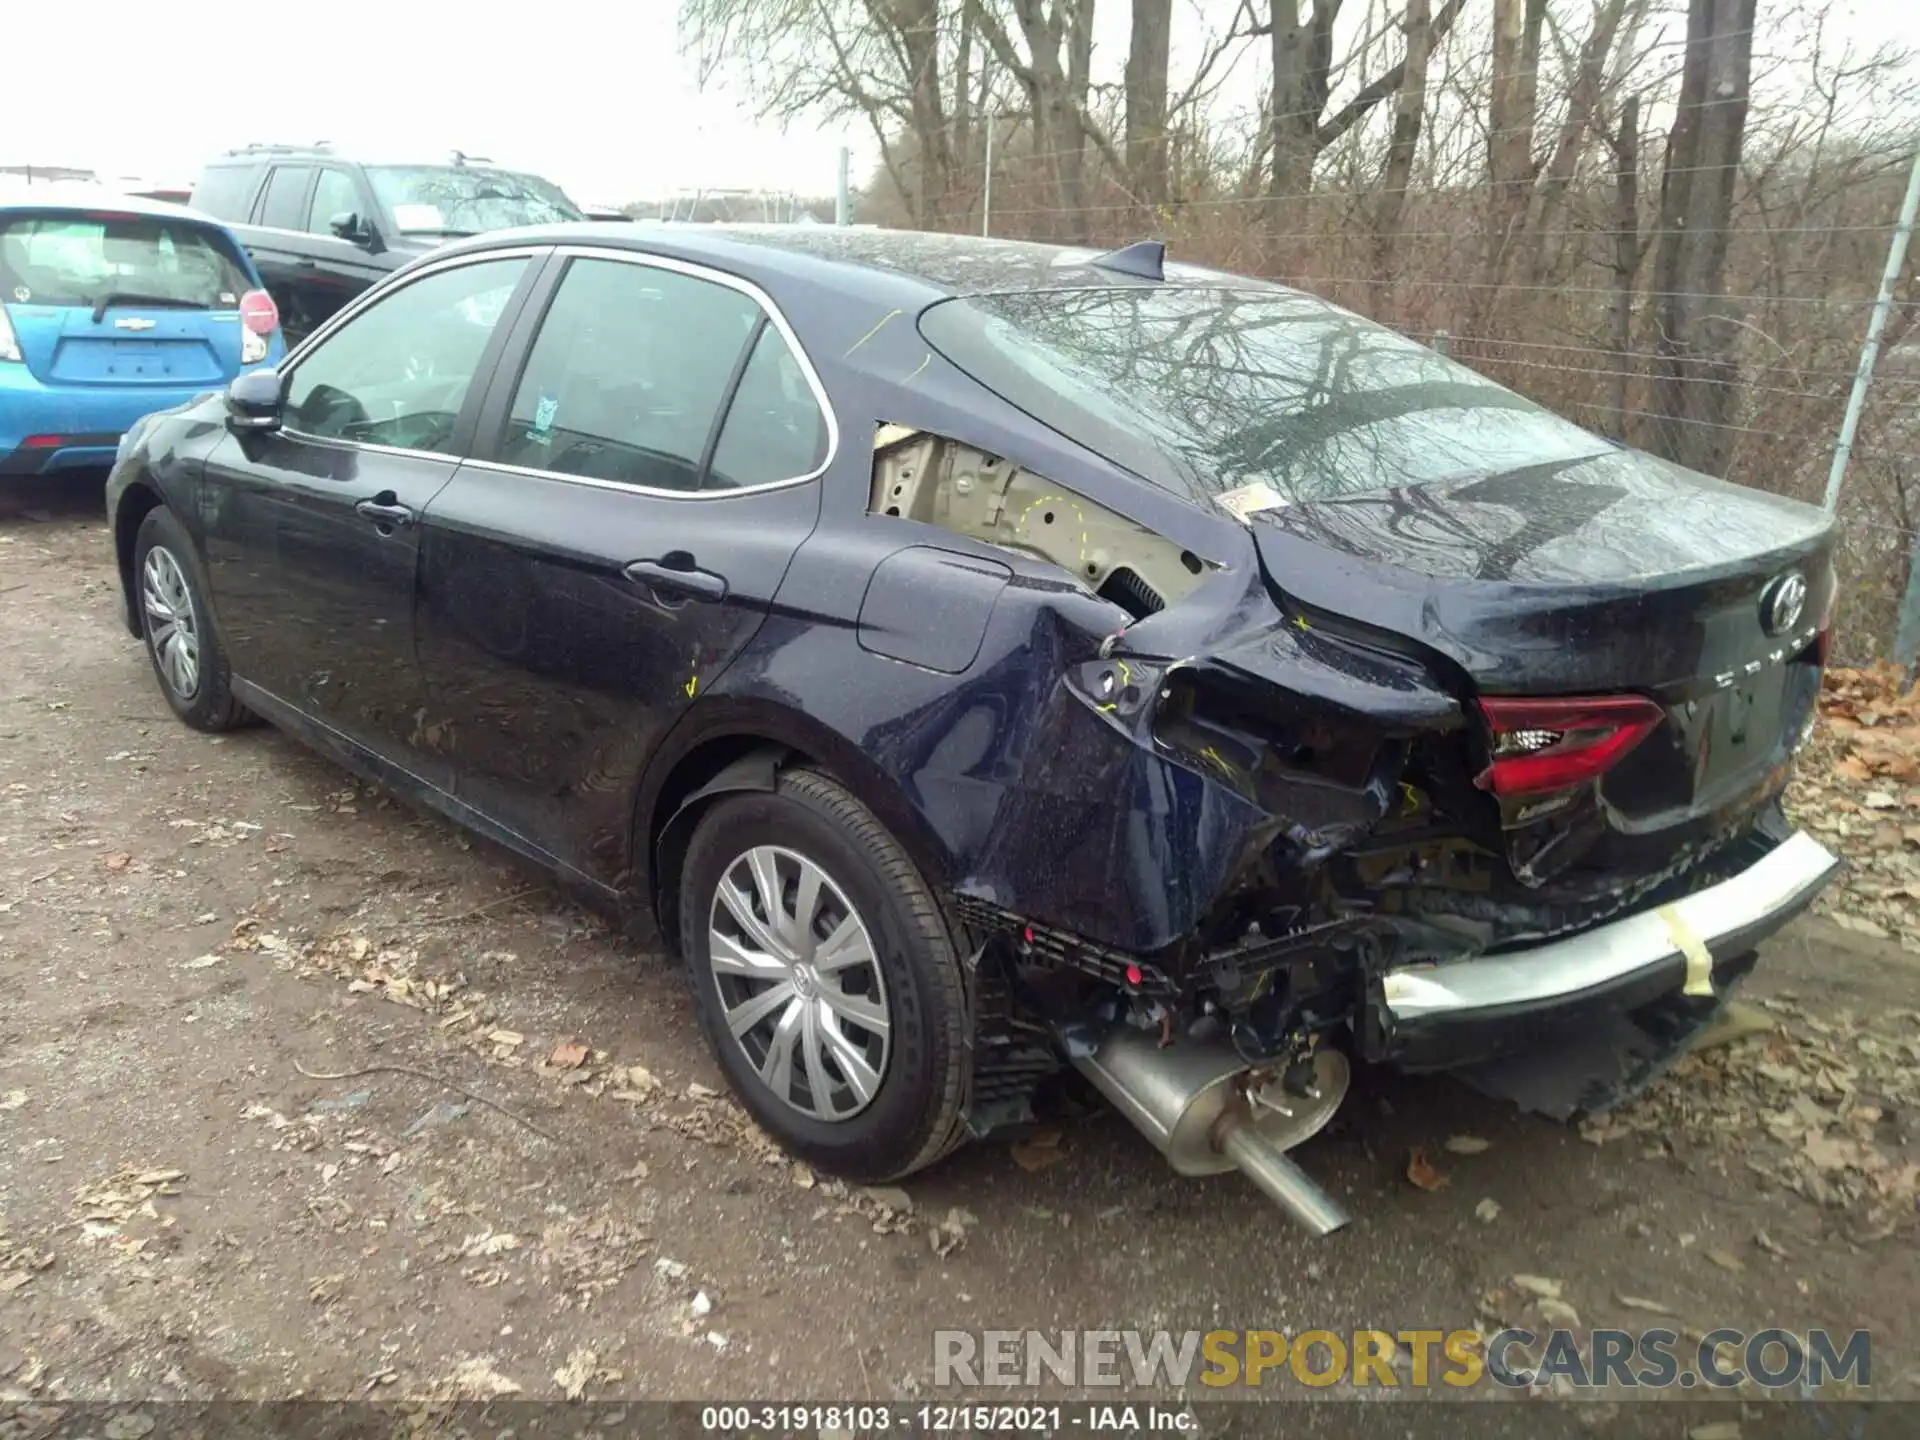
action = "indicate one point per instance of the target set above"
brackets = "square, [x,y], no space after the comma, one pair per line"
[528,1177]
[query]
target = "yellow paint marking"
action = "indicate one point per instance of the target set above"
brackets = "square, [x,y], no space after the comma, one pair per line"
[1699,958]
[693,684]
[873,332]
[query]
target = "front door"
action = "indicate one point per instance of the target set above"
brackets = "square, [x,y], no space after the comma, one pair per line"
[313,530]
[639,488]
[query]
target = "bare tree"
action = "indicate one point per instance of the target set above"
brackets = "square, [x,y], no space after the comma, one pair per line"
[1148,54]
[1512,105]
[1628,249]
[1696,374]
[1409,107]
[1303,68]
[883,60]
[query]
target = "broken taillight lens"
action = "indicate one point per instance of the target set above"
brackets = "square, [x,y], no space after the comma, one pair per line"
[1542,745]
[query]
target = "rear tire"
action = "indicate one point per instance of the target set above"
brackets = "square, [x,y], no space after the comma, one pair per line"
[182,644]
[841,1020]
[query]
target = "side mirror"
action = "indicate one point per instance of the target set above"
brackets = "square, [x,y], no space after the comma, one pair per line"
[348,225]
[253,402]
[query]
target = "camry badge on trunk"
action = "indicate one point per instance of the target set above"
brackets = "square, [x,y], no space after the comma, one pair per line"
[1782,601]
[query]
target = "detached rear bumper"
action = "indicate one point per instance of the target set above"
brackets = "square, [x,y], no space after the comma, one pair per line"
[1667,966]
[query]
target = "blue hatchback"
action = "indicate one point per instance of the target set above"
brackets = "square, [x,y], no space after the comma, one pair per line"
[112,308]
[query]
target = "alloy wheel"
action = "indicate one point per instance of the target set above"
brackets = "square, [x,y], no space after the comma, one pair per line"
[172,632]
[799,982]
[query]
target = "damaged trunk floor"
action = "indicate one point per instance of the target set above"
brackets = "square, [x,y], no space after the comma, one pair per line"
[187,924]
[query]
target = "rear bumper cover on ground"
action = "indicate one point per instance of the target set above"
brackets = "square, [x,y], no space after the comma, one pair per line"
[1560,1004]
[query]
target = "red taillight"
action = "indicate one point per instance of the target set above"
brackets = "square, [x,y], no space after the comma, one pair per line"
[44,442]
[1541,745]
[258,312]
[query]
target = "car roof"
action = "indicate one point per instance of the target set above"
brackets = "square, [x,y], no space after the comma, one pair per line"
[78,197]
[938,265]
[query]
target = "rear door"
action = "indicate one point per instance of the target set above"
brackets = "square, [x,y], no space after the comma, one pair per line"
[280,252]
[340,269]
[107,300]
[640,483]
[312,531]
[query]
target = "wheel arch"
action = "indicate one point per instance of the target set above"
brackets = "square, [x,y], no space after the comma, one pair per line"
[138,501]
[731,745]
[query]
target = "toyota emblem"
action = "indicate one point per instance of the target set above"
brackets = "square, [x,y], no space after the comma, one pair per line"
[1782,602]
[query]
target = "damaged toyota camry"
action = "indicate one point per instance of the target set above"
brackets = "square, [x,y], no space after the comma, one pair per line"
[982,661]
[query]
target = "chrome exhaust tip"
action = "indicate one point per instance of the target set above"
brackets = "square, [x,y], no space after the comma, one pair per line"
[1208,1111]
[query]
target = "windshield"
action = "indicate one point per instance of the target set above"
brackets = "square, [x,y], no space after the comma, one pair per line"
[87,259]
[462,200]
[1207,389]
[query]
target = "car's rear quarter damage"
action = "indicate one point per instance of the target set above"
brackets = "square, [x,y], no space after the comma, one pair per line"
[1404,774]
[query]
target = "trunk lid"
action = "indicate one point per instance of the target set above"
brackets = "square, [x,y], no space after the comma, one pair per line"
[1617,574]
[130,345]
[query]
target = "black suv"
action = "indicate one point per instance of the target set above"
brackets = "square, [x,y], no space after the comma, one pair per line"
[322,228]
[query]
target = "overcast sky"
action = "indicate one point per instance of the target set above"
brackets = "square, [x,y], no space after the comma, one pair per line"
[594,94]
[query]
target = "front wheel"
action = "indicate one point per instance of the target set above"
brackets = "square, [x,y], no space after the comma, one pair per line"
[187,657]
[826,979]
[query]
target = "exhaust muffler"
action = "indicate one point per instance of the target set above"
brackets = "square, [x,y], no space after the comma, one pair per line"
[1208,1111]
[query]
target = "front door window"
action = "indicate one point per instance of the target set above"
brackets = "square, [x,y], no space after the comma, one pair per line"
[398,373]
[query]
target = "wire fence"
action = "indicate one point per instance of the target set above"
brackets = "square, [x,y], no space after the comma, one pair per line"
[1565,308]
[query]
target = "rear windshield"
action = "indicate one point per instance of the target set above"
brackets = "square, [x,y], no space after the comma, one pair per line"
[84,259]
[1207,389]
[460,200]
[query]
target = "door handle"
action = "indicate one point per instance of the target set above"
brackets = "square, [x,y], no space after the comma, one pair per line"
[383,511]
[676,573]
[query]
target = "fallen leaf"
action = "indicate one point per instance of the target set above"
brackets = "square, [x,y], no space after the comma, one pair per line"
[701,1306]
[119,860]
[13,1100]
[568,1055]
[1727,1260]
[1539,1285]
[951,1233]
[1767,1243]
[478,1378]
[1467,1144]
[573,1376]
[1040,1149]
[508,1038]
[1487,1211]
[1421,1171]
[1716,1430]
[890,1197]
[1637,1302]
[1558,1313]
[697,1091]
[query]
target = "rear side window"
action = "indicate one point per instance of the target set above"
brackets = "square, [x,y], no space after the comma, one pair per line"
[628,374]
[226,191]
[774,429]
[285,206]
[88,259]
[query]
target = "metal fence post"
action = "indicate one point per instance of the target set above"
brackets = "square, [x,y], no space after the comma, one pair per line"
[843,195]
[1870,351]
[986,191]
